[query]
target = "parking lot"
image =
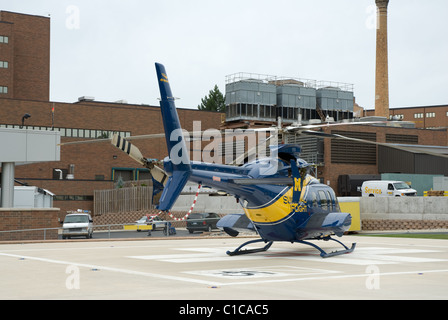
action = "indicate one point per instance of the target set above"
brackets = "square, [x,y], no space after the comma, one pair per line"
[198,268]
[132,234]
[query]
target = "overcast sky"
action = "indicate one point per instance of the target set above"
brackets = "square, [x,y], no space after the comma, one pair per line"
[107,48]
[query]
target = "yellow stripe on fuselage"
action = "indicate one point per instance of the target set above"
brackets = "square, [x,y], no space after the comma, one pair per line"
[280,209]
[272,213]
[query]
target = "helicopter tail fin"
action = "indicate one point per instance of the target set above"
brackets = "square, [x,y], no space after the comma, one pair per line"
[178,164]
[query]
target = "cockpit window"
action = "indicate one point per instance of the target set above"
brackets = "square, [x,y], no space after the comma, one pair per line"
[330,200]
[323,200]
[314,199]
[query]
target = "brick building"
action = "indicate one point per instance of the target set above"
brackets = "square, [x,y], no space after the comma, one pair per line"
[24,56]
[427,117]
[97,166]
[25,83]
[94,166]
[350,158]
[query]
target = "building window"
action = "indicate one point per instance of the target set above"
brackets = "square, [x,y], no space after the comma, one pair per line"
[418,115]
[4,39]
[3,90]
[4,64]
[430,115]
[71,132]
[396,117]
[123,174]
[72,198]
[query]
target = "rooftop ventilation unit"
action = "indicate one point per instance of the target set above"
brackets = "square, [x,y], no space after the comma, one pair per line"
[86,98]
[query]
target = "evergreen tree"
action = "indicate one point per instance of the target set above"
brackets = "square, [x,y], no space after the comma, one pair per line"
[215,101]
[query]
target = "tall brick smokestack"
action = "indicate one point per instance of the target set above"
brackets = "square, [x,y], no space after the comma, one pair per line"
[382,68]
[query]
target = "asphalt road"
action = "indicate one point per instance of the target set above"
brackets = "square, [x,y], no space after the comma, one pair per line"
[131,234]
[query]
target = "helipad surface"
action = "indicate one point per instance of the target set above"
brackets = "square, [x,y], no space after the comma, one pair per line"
[199,269]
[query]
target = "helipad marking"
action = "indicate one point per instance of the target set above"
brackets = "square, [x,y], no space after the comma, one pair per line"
[361,256]
[261,272]
[330,277]
[277,274]
[204,255]
[105,268]
[377,256]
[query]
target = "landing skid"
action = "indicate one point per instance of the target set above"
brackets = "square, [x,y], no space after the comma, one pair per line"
[323,253]
[238,251]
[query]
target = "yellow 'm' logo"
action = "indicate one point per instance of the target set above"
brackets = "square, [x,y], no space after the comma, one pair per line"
[297,186]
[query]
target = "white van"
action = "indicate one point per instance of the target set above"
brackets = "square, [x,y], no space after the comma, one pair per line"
[385,188]
[77,225]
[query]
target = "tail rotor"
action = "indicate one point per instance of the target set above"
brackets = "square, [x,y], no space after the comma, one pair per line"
[158,175]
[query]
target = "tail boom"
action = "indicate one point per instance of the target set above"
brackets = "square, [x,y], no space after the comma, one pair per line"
[178,164]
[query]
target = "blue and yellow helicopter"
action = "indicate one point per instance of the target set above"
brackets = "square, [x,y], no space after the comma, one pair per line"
[281,201]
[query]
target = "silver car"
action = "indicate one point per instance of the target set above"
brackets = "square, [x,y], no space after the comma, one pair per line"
[155,220]
[77,225]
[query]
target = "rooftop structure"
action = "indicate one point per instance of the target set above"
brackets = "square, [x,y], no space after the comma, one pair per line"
[262,97]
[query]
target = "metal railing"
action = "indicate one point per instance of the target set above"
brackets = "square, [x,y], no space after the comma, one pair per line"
[106,228]
[27,230]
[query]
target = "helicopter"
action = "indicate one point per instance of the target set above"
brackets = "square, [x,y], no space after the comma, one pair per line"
[281,201]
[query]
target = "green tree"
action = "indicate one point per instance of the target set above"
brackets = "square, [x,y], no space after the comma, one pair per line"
[215,101]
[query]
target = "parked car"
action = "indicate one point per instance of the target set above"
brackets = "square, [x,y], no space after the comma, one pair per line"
[382,188]
[156,221]
[202,222]
[77,225]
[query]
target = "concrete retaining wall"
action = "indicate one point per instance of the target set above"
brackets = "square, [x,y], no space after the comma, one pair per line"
[375,213]
[410,208]
[206,203]
[412,213]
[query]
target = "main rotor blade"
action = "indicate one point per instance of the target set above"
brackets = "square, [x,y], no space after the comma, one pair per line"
[410,148]
[284,181]
[131,138]
[261,148]
[84,142]
[192,136]
[292,129]
[146,136]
